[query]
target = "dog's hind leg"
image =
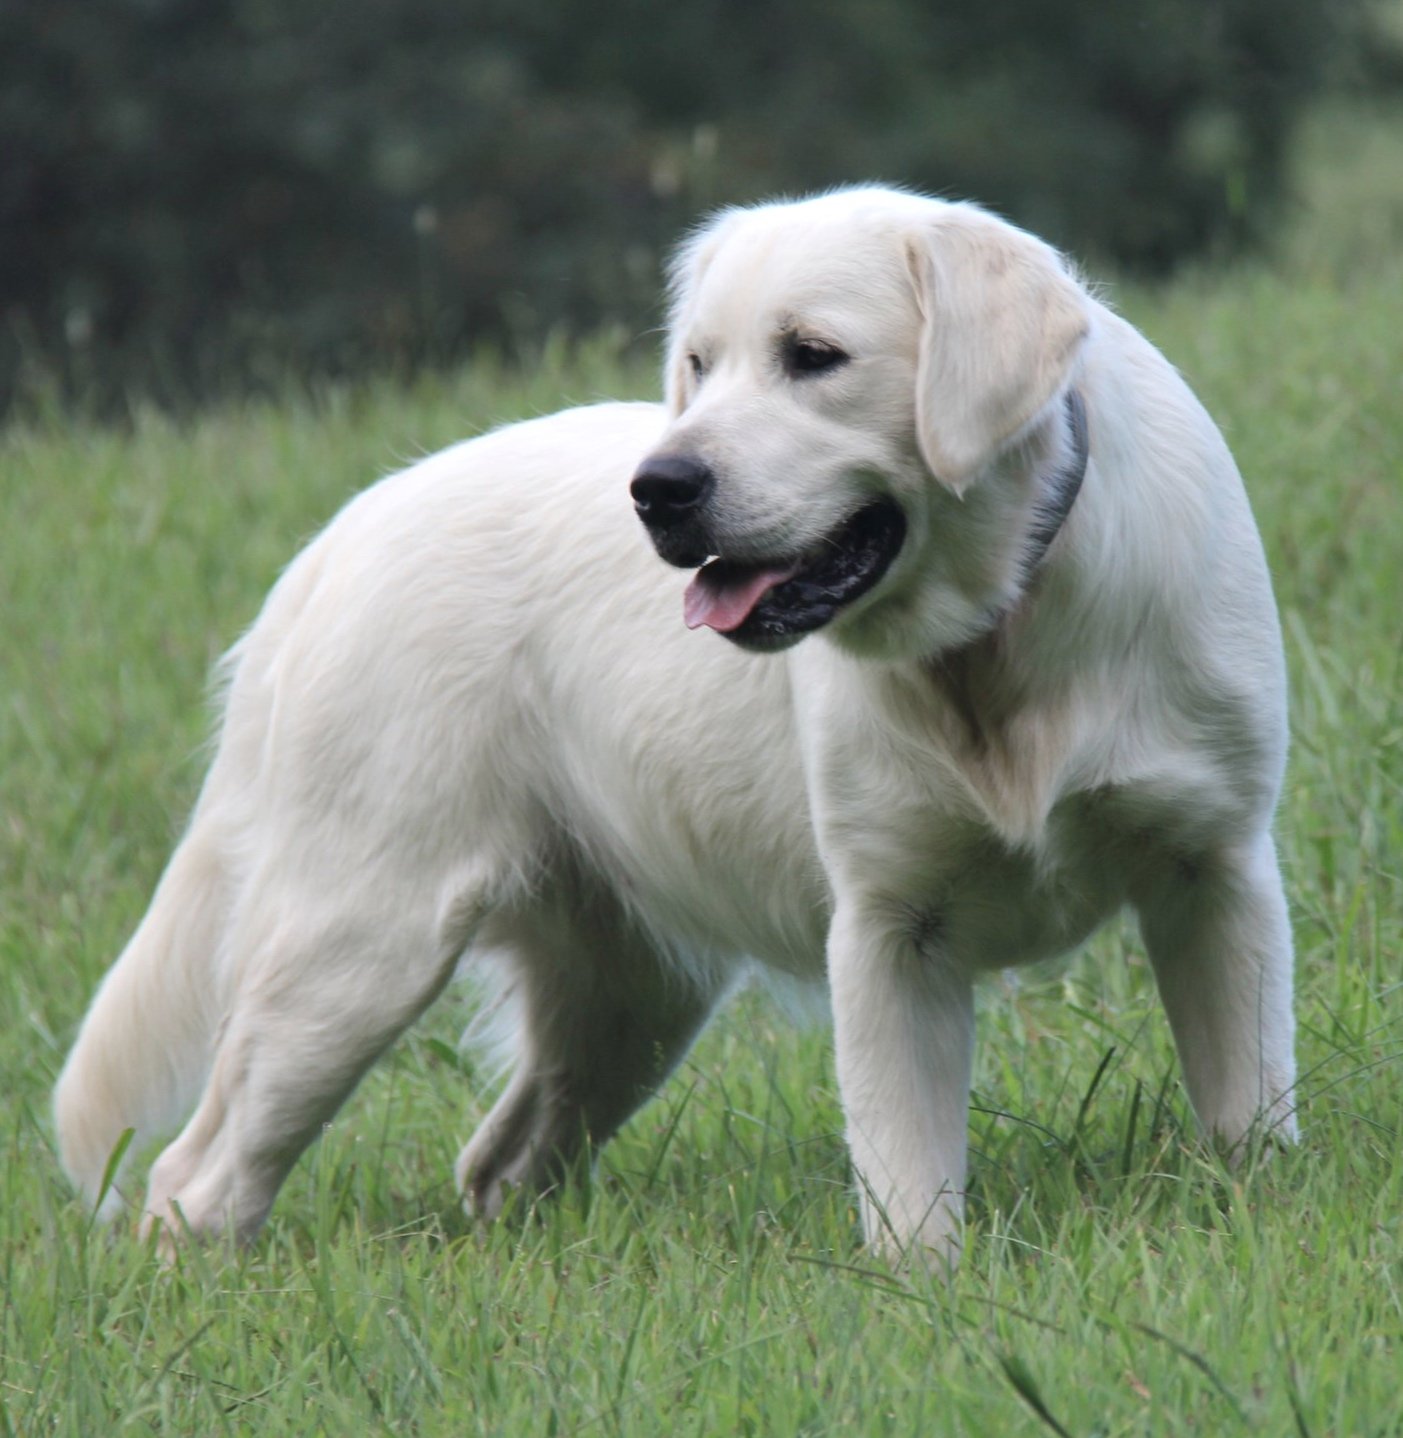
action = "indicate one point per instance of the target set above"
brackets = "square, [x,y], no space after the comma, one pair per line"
[321,989]
[1219,937]
[606,1019]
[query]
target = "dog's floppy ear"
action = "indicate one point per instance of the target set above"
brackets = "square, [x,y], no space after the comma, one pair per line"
[1002,324]
[685,272]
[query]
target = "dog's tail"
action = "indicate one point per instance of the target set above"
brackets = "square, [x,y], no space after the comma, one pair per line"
[145,1047]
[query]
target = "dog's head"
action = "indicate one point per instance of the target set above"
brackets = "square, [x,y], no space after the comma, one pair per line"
[861,387]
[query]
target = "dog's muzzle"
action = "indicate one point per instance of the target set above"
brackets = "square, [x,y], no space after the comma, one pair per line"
[769,602]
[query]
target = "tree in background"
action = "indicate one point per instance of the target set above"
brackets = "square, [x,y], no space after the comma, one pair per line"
[197,192]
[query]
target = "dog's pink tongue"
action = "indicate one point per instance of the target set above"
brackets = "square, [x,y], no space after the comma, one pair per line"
[722,595]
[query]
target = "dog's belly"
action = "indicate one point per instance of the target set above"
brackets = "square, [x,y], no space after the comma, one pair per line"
[712,845]
[730,905]
[705,836]
[755,887]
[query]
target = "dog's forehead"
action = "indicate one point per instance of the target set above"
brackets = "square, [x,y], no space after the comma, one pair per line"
[788,268]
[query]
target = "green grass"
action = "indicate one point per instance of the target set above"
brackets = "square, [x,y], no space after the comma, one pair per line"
[709,1280]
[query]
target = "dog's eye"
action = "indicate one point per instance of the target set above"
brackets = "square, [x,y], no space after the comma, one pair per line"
[697,367]
[809,357]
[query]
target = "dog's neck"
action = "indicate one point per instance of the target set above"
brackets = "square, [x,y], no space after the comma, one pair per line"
[1063,486]
[963,673]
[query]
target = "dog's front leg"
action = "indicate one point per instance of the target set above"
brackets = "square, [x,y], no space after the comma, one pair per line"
[904,1025]
[1219,936]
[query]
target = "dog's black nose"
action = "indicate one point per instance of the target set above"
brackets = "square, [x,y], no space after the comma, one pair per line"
[668,488]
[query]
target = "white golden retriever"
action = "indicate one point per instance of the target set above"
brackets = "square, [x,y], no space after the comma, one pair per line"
[1032,675]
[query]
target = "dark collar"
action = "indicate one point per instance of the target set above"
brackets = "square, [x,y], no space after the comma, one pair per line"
[1064,486]
[952,669]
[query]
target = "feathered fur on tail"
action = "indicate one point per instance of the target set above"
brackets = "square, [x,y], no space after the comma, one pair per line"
[145,1046]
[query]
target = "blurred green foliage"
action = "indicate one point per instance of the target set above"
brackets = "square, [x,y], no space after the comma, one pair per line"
[204,194]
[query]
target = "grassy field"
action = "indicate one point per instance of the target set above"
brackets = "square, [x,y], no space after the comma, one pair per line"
[710,1281]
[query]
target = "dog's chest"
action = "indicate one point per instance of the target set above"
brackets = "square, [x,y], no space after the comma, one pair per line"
[992,851]
[993,906]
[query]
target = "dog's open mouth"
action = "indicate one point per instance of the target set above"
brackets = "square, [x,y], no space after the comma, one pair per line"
[762,605]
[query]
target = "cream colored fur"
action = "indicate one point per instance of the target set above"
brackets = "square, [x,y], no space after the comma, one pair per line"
[470,720]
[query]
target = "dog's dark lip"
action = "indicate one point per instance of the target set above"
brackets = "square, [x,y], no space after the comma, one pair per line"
[851,560]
